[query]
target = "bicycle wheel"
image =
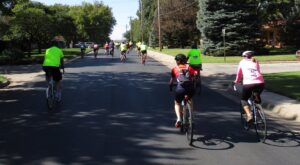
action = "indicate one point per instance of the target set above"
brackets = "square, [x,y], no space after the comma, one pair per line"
[189,126]
[50,98]
[260,123]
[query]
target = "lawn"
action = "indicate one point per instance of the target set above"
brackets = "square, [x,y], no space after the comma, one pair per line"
[286,83]
[234,59]
[69,53]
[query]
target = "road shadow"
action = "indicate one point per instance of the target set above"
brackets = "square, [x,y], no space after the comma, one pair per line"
[92,125]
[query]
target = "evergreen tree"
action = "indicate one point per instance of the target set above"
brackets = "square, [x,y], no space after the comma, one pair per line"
[239,19]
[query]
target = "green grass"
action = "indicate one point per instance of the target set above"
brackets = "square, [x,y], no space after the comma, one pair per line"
[69,53]
[286,83]
[233,59]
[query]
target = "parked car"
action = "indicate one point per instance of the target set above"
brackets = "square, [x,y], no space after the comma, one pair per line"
[89,44]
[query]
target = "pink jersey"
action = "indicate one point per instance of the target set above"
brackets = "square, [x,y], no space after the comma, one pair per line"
[250,71]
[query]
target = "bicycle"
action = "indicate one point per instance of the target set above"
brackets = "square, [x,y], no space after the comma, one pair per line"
[197,80]
[111,52]
[143,57]
[82,52]
[259,119]
[51,95]
[95,53]
[123,56]
[187,125]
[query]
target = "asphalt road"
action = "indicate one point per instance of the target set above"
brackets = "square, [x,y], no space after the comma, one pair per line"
[122,113]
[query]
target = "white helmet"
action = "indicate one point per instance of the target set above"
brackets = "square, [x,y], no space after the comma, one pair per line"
[248,53]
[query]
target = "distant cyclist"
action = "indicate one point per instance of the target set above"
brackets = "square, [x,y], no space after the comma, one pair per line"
[194,58]
[143,53]
[53,61]
[95,48]
[111,47]
[138,48]
[123,49]
[253,80]
[106,47]
[182,74]
[82,49]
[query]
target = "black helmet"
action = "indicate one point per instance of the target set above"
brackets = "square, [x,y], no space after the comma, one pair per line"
[181,58]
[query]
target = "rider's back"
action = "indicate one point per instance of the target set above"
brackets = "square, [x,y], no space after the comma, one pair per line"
[53,56]
[250,71]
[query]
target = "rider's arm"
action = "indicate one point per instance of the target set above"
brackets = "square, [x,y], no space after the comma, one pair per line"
[172,79]
[239,74]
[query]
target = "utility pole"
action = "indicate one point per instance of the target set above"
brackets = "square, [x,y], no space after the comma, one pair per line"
[130,28]
[158,23]
[142,24]
[224,34]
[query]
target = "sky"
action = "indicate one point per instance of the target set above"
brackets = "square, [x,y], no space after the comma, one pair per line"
[122,10]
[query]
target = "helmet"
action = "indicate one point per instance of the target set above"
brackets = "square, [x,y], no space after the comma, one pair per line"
[248,53]
[181,58]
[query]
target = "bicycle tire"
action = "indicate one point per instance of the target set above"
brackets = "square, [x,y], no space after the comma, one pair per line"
[50,98]
[189,126]
[260,123]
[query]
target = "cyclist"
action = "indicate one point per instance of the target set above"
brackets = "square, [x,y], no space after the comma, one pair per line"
[95,48]
[53,60]
[111,47]
[82,49]
[194,58]
[138,47]
[106,47]
[184,87]
[143,52]
[123,48]
[253,81]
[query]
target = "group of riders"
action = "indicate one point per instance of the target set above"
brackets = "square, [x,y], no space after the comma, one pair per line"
[186,67]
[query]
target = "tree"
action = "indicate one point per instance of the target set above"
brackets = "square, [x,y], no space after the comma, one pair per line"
[31,23]
[94,21]
[178,22]
[284,16]
[6,6]
[240,20]
[63,24]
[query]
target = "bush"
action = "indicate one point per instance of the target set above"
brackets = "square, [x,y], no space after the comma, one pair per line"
[13,54]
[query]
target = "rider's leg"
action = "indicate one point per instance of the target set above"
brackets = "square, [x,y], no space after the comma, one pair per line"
[246,94]
[177,110]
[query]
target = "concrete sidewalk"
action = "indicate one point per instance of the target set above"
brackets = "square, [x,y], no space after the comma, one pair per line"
[220,76]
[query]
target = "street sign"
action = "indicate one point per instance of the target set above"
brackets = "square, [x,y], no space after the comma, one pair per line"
[223,31]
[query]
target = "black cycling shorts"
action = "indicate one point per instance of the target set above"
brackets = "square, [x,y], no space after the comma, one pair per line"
[54,71]
[196,66]
[144,52]
[180,92]
[248,88]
